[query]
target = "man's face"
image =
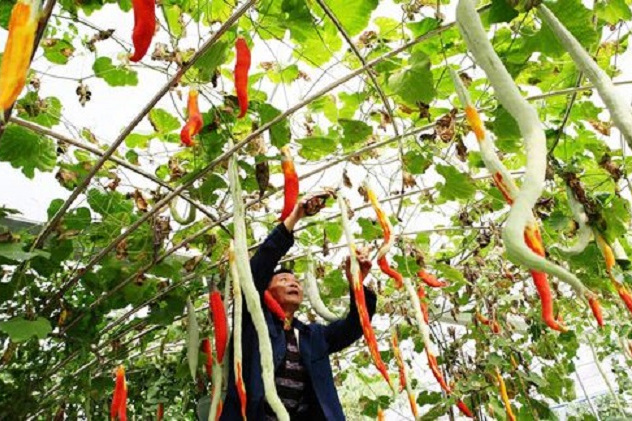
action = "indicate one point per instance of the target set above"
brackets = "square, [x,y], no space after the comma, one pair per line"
[287,290]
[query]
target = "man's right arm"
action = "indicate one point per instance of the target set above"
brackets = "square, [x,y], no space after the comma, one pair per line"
[275,246]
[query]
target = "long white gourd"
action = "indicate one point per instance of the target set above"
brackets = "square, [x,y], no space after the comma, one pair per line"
[474,34]
[216,395]
[193,339]
[251,294]
[485,142]
[617,104]
[237,317]
[313,294]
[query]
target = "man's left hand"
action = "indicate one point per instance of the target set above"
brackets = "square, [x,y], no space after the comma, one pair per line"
[308,206]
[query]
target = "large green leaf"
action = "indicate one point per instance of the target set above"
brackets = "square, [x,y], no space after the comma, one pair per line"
[27,151]
[279,132]
[354,15]
[163,121]
[414,83]
[457,185]
[114,75]
[576,18]
[612,11]
[314,148]
[354,132]
[210,61]
[20,330]
[14,253]
[43,111]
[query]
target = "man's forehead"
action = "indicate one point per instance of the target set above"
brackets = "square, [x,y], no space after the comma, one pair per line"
[284,275]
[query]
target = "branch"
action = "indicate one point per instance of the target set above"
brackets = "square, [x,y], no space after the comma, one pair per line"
[371,75]
[50,225]
[60,137]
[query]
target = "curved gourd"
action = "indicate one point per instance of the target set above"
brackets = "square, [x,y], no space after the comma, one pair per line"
[313,295]
[520,215]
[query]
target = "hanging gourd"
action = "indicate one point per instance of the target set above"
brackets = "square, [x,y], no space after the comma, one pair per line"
[358,292]
[253,300]
[509,190]
[237,317]
[18,50]
[504,396]
[194,119]
[144,27]
[404,382]
[175,214]
[518,229]
[193,339]
[313,294]
[389,239]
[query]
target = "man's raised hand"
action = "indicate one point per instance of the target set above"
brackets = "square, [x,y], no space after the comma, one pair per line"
[362,254]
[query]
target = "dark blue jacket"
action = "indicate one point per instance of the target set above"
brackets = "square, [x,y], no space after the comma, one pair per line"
[316,343]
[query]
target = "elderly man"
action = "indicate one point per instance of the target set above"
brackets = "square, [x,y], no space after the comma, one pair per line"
[303,375]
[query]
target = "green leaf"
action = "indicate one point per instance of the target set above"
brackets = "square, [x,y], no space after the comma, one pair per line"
[6,6]
[333,231]
[173,16]
[388,28]
[286,75]
[613,11]
[114,75]
[315,148]
[416,162]
[371,230]
[423,26]
[21,330]
[43,111]
[351,102]
[501,11]
[26,150]
[506,130]
[279,132]
[163,121]
[110,203]
[354,15]
[576,18]
[327,105]
[137,140]
[414,83]
[14,253]
[457,185]
[58,51]
[314,44]
[354,132]
[211,60]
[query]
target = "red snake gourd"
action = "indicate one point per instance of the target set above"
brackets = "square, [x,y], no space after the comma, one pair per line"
[358,292]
